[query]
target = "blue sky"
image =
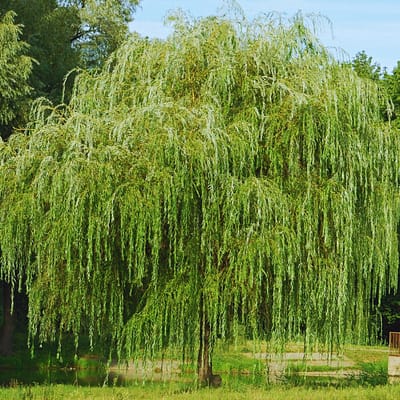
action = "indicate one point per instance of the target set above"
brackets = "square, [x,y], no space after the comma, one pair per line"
[370,25]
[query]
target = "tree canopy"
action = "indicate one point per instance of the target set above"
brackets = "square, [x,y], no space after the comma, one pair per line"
[64,35]
[15,69]
[366,67]
[391,83]
[233,174]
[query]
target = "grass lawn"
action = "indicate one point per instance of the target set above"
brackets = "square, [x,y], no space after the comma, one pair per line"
[150,392]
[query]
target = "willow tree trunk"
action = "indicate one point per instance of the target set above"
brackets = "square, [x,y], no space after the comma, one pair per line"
[7,327]
[204,362]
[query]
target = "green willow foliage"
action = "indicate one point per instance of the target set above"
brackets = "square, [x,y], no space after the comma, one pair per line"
[234,170]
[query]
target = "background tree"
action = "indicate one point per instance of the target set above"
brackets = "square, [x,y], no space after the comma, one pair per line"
[392,85]
[234,174]
[366,67]
[64,35]
[102,28]
[48,28]
[15,69]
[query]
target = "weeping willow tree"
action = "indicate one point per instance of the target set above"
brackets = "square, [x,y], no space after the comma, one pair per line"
[232,175]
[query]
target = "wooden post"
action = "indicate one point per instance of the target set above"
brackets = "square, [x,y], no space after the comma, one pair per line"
[394,357]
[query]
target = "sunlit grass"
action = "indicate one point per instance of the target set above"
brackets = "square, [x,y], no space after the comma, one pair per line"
[367,353]
[166,393]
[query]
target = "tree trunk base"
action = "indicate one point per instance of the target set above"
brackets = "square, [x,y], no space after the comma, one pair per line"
[204,364]
[207,378]
[215,381]
[7,328]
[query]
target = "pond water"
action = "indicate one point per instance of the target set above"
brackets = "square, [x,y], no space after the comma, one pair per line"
[14,377]
[97,375]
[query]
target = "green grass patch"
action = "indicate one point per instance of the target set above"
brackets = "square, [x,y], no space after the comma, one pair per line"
[367,354]
[237,363]
[294,367]
[173,392]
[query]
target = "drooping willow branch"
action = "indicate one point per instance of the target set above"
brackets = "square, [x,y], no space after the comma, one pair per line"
[238,164]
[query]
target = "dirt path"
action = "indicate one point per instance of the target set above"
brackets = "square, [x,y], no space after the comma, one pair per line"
[158,370]
[276,366]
